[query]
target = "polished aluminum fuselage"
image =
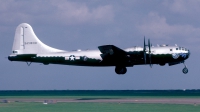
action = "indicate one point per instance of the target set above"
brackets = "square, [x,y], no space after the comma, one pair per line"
[159,55]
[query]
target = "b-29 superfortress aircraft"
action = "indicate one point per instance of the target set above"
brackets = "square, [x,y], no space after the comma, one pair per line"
[28,48]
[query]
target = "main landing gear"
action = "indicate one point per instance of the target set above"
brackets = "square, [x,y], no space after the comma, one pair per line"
[185,69]
[120,70]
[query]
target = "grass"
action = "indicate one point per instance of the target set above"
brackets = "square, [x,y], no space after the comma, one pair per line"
[93,97]
[96,107]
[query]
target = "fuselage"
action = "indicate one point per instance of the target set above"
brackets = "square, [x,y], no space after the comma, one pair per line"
[159,55]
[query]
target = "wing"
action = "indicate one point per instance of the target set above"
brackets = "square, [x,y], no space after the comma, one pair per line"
[111,50]
[113,54]
[118,57]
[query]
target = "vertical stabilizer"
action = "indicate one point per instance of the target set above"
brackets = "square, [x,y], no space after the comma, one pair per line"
[26,42]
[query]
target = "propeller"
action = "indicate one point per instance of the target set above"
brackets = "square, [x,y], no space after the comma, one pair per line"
[144,51]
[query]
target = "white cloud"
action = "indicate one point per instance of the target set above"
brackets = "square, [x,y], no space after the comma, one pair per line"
[8,12]
[183,6]
[70,12]
[62,11]
[156,26]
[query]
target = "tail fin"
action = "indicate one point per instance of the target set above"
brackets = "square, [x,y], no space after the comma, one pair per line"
[26,42]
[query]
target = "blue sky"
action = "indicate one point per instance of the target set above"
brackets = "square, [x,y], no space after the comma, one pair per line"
[87,24]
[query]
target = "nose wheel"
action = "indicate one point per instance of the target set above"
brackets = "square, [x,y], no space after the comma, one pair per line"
[185,69]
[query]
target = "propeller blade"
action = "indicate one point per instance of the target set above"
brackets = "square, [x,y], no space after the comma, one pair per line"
[144,51]
[149,45]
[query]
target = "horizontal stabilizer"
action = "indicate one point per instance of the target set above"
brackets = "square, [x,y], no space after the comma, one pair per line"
[27,55]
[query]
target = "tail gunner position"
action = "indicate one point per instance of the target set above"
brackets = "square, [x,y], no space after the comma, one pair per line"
[28,48]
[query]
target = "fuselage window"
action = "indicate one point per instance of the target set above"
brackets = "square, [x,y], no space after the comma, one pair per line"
[170,49]
[176,48]
[14,51]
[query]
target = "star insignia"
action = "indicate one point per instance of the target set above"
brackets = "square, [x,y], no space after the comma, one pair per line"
[72,58]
